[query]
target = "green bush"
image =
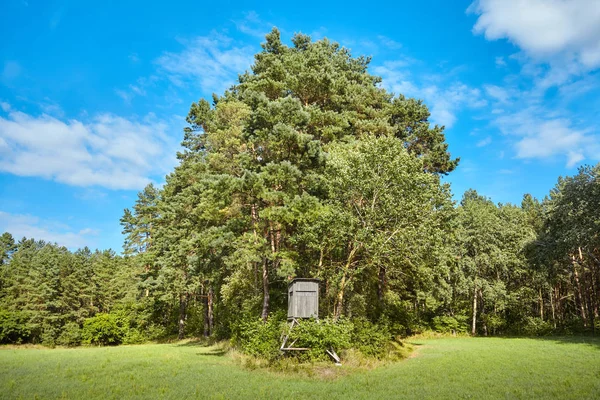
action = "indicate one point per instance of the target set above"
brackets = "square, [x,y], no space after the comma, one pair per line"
[154,332]
[536,326]
[370,339]
[258,338]
[104,329]
[50,333]
[70,335]
[319,336]
[494,323]
[134,336]
[14,327]
[448,324]
[263,340]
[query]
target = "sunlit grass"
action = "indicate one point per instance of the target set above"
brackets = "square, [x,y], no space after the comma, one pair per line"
[562,368]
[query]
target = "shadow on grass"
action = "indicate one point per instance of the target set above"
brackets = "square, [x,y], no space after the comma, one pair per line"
[195,343]
[212,349]
[590,340]
[213,353]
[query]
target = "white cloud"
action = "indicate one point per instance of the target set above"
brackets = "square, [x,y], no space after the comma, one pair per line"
[33,227]
[395,77]
[108,151]
[51,108]
[540,125]
[544,28]
[139,89]
[89,231]
[497,93]
[91,194]
[211,63]
[484,142]
[559,39]
[4,106]
[551,137]
[580,87]
[544,136]
[126,95]
[573,158]
[252,25]
[444,100]
[500,62]
[318,33]
[389,43]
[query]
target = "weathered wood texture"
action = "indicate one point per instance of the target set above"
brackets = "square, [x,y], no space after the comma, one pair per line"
[303,298]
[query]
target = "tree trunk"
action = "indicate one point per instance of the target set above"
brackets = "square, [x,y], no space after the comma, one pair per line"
[559,306]
[254,228]
[337,310]
[205,311]
[321,254]
[485,329]
[265,281]
[474,323]
[265,267]
[327,292]
[382,284]
[552,307]
[580,296]
[275,237]
[541,304]
[340,296]
[183,301]
[211,317]
[589,296]
[594,288]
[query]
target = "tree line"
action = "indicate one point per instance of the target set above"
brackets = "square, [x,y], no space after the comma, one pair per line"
[307,167]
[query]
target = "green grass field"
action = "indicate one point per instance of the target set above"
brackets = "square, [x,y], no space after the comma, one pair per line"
[561,368]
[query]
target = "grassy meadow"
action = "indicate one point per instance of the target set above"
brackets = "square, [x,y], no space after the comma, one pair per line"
[448,368]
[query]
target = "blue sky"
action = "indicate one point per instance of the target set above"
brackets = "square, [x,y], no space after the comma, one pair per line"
[93,94]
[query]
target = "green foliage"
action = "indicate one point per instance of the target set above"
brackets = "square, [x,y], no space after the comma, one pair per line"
[372,340]
[70,335]
[14,327]
[449,324]
[134,336]
[50,334]
[138,225]
[7,247]
[104,329]
[263,340]
[319,336]
[536,327]
[260,339]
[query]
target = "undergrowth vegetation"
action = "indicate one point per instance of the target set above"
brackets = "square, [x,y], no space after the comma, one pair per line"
[357,340]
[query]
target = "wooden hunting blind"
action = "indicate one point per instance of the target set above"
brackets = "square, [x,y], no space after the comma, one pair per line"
[303,298]
[303,302]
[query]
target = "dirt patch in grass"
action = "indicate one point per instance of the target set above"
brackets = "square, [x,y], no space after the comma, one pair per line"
[416,350]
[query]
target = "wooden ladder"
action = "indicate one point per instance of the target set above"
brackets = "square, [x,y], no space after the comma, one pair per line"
[290,347]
